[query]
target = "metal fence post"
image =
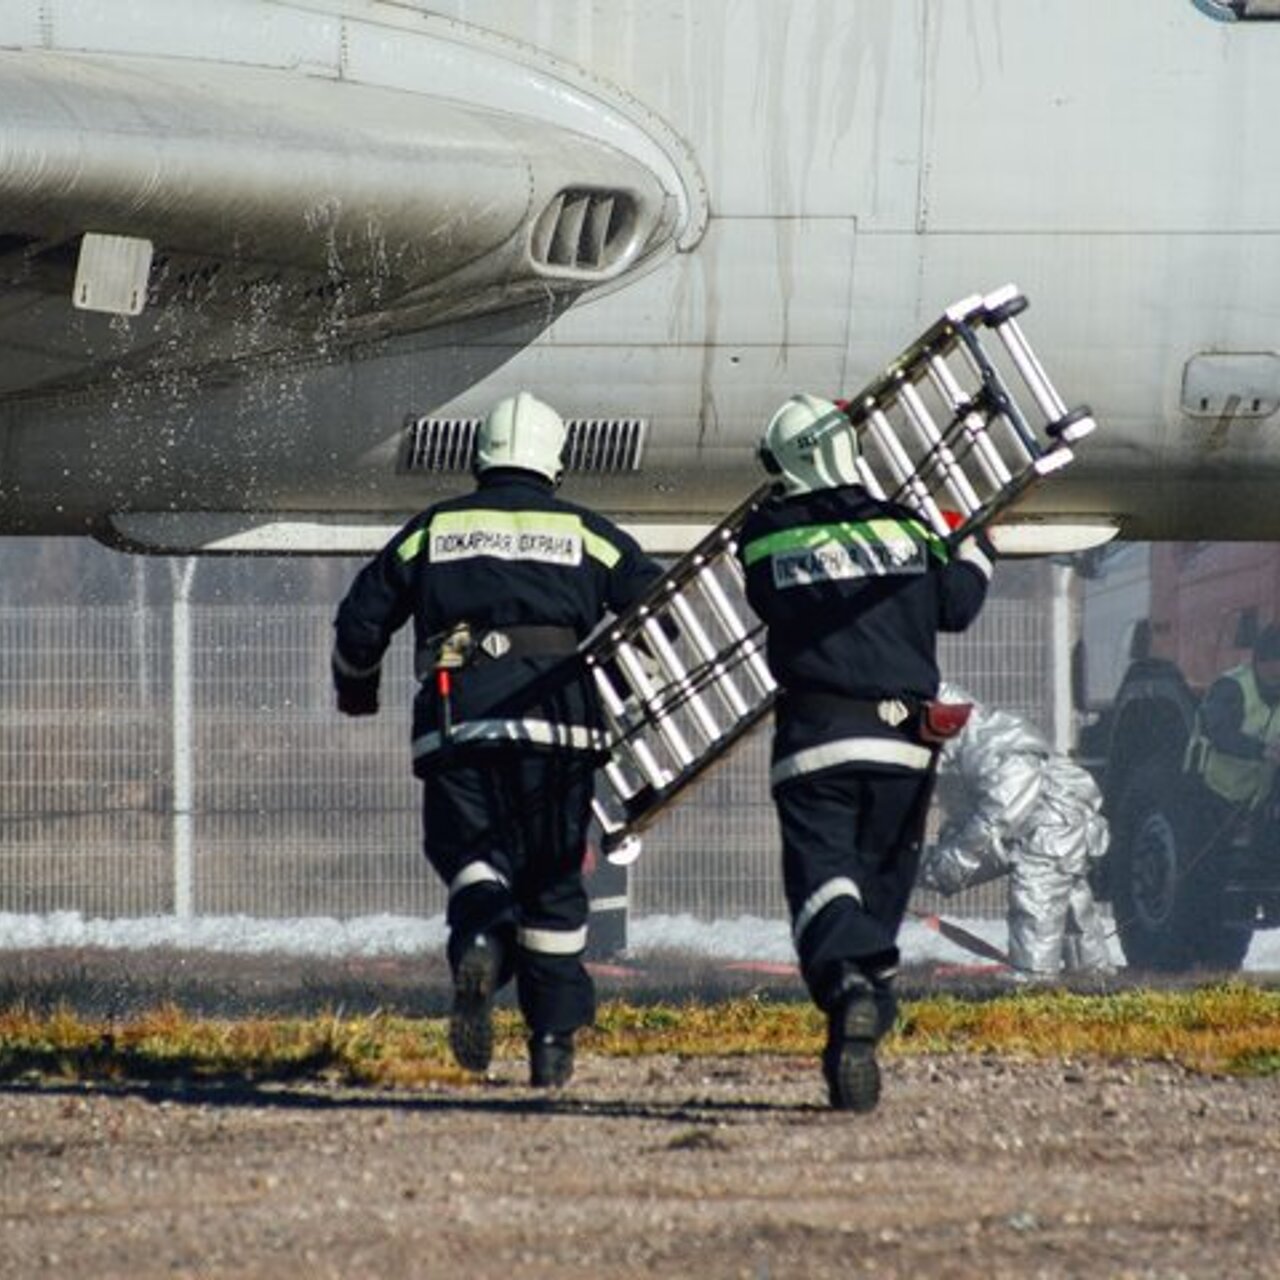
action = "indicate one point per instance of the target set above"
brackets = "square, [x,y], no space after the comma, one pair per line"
[183,575]
[1060,641]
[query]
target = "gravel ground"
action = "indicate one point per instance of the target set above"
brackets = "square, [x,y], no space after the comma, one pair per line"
[655,1167]
[659,1166]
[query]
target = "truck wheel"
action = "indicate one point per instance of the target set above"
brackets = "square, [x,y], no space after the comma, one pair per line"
[1167,884]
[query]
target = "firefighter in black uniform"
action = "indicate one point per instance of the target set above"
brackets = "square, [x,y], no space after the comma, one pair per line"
[502,585]
[854,592]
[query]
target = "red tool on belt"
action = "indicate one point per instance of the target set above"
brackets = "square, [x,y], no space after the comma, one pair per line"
[444,691]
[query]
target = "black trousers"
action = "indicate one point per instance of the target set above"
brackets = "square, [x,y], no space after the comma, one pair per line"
[505,827]
[851,843]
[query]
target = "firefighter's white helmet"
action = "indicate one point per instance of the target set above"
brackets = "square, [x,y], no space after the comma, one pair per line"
[810,444]
[521,431]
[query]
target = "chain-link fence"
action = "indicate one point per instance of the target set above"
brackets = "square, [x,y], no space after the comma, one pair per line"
[239,790]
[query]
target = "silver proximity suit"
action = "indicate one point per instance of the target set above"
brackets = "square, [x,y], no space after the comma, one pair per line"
[1011,805]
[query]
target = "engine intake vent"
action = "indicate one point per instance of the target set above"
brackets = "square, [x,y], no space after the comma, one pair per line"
[438,444]
[592,444]
[585,232]
[604,444]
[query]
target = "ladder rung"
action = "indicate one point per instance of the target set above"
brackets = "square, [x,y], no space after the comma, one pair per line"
[723,682]
[680,683]
[1051,404]
[625,739]
[969,423]
[914,492]
[715,596]
[608,822]
[668,730]
[950,475]
[618,780]
[870,481]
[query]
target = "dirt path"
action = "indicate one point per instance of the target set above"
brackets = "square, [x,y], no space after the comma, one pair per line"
[702,1168]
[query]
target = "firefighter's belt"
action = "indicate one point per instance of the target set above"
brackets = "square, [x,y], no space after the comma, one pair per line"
[924,720]
[465,644]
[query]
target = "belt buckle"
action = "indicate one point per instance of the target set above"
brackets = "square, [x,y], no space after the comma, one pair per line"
[892,711]
[496,644]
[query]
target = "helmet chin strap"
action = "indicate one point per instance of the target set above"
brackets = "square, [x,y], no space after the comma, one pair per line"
[768,461]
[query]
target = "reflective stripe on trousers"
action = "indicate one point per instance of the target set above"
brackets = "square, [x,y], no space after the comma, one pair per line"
[553,942]
[478,872]
[829,891]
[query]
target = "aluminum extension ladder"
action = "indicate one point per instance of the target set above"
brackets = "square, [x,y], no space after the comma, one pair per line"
[682,675]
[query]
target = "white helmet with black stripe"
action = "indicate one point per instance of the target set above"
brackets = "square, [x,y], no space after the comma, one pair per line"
[521,431]
[810,444]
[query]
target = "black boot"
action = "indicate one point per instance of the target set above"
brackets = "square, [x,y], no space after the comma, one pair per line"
[886,1003]
[475,980]
[849,1059]
[550,1059]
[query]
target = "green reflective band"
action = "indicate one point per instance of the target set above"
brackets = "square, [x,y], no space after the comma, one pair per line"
[599,548]
[549,537]
[845,533]
[410,547]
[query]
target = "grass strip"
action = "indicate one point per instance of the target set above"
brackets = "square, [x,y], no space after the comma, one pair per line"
[1227,1029]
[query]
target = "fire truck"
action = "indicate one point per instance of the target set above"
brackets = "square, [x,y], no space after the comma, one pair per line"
[1159,623]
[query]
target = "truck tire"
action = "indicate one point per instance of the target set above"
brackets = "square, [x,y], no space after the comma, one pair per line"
[1167,882]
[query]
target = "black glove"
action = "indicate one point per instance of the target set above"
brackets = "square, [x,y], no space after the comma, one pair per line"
[358,699]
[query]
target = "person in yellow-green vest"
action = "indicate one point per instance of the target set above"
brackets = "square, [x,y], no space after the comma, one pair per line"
[1235,743]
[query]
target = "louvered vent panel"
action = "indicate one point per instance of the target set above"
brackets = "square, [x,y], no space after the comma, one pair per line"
[604,444]
[585,232]
[593,444]
[438,444]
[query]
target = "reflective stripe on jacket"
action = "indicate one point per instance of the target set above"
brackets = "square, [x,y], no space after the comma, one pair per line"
[512,554]
[854,592]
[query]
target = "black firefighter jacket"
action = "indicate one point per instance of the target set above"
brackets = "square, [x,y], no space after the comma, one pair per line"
[510,554]
[854,592]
